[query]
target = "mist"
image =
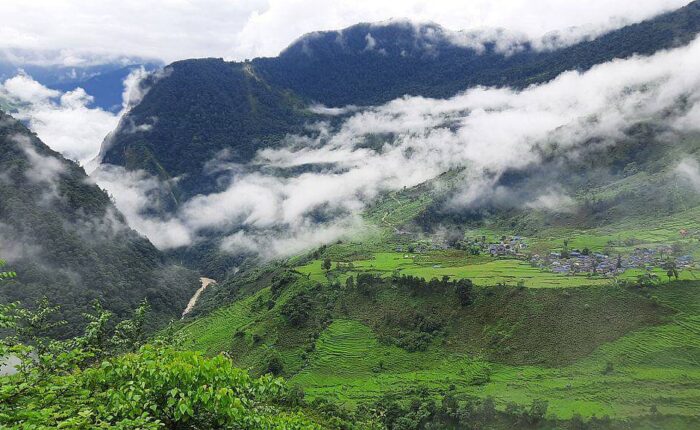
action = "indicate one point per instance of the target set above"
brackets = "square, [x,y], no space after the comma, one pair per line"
[483,132]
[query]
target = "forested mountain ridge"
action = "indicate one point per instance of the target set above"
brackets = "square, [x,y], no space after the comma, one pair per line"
[373,63]
[70,244]
[195,110]
[199,108]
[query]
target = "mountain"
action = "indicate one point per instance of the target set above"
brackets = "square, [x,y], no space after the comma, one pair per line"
[497,259]
[70,244]
[203,107]
[199,108]
[370,64]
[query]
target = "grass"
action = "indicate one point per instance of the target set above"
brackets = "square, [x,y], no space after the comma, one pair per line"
[481,270]
[655,366]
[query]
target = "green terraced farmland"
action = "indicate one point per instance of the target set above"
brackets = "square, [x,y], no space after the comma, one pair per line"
[481,270]
[652,367]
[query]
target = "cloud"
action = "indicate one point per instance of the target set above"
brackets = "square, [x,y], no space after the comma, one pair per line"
[15,246]
[331,111]
[552,200]
[482,132]
[82,31]
[137,196]
[64,57]
[271,245]
[65,121]
[42,169]
[689,169]
[24,89]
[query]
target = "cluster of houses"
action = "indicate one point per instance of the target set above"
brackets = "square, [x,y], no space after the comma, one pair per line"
[567,262]
[605,265]
[507,246]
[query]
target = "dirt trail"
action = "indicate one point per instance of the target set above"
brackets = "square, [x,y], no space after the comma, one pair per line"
[386,214]
[205,283]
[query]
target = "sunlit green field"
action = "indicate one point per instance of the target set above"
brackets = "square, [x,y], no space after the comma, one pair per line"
[482,270]
[655,366]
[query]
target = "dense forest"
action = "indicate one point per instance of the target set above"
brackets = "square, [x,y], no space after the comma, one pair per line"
[69,243]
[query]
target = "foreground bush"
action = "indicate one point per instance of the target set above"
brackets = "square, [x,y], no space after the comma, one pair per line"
[154,388]
[105,379]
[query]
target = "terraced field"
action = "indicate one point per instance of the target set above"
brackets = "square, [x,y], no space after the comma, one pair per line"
[350,364]
[213,334]
[651,363]
[482,270]
[653,367]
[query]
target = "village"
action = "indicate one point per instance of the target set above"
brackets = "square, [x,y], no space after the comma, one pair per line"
[577,261]
[568,262]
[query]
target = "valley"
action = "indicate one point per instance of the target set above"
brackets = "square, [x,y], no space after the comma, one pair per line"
[591,345]
[372,225]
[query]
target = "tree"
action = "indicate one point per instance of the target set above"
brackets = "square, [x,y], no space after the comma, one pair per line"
[129,334]
[155,387]
[274,364]
[297,310]
[538,411]
[565,250]
[350,283]
[463,289]
[4,274]
[326,264]
[671,269]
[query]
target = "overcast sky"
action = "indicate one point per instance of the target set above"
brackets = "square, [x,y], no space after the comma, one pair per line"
[235,29]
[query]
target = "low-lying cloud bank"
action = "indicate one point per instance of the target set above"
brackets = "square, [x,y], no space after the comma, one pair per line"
[484,131]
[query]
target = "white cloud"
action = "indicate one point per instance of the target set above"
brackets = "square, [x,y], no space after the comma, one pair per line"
[66,122]
[371,42]
[689,169]
[173,30]
[552,200]
[135,193]
[270,244]
[42,169]
[24,89]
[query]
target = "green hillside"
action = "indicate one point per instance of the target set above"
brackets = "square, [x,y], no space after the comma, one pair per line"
[623,346]
[68,242]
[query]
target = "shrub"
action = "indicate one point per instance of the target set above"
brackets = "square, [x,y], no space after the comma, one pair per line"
[298,309]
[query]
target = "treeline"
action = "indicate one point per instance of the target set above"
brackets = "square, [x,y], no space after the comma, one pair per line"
[423,409]
[367,283]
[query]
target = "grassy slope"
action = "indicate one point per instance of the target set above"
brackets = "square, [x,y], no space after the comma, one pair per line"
[516,344]
[653,364]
